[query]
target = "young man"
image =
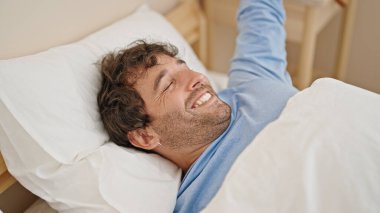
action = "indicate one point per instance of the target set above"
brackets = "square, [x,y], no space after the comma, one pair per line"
[152,101]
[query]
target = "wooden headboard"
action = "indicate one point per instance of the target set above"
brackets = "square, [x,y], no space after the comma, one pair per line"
[6,180]
[185,15]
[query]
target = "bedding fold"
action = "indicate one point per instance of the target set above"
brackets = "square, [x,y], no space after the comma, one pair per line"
[321,155]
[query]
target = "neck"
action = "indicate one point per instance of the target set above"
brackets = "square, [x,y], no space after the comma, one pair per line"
[183,158]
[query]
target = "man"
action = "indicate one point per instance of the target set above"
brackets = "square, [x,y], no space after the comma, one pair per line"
[152,101]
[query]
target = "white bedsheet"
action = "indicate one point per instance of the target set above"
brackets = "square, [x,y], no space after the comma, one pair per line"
[321,155]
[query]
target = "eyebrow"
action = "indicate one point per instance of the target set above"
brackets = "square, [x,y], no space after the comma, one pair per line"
[163,72]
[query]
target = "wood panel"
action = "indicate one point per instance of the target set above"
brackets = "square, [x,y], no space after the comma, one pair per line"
[190,21]
[6,179]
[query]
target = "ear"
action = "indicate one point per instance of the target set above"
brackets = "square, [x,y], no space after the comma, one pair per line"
[144,138]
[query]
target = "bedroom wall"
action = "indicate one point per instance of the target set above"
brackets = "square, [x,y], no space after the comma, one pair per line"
[363,68]
[364,63]
[69,21]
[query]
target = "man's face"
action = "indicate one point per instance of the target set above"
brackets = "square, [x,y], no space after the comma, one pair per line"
[184,109]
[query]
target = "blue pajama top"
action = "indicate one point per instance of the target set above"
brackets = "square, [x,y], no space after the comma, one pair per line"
[258,90]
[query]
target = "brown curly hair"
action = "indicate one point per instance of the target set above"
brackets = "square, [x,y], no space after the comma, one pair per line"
[121,107]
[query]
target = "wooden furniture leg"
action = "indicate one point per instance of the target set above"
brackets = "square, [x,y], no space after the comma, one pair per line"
[305,66]
[346,37]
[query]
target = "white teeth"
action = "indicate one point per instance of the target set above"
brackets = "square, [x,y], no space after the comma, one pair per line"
[204,98]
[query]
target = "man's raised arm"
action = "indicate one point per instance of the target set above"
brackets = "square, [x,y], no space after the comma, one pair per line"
[260,46]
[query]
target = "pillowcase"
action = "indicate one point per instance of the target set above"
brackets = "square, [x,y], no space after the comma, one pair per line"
[52,137]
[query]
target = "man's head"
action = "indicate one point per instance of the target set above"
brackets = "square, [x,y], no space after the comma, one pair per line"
[151,100]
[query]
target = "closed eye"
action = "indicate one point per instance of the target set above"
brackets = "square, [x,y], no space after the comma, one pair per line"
[166,88]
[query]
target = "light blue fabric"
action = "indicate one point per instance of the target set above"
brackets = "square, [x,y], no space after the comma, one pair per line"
[259,88]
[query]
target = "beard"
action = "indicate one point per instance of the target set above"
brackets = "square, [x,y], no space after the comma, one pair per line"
[178,130]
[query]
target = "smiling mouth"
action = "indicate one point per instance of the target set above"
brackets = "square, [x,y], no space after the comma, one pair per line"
[202,100]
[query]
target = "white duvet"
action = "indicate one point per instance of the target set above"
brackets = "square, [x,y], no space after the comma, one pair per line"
[321,155]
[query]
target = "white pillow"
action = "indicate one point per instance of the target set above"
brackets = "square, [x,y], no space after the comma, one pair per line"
[52,138]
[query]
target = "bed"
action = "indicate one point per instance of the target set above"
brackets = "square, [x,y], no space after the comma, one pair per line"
[52,141]
[71,27]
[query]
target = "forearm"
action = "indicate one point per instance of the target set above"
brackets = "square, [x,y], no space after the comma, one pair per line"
[260,46]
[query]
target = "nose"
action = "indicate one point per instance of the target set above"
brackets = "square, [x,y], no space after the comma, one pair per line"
[192,80]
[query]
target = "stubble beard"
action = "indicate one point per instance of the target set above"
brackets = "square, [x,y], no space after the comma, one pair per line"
[178,132]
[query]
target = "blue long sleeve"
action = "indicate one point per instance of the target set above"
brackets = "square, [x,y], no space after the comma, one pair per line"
[260,46]
[258,91]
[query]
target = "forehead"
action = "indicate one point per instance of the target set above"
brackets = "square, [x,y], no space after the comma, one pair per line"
[146,80]
[141,73]
[163,62]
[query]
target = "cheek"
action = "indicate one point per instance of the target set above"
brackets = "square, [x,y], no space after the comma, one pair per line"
[168,104]
[173,101]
